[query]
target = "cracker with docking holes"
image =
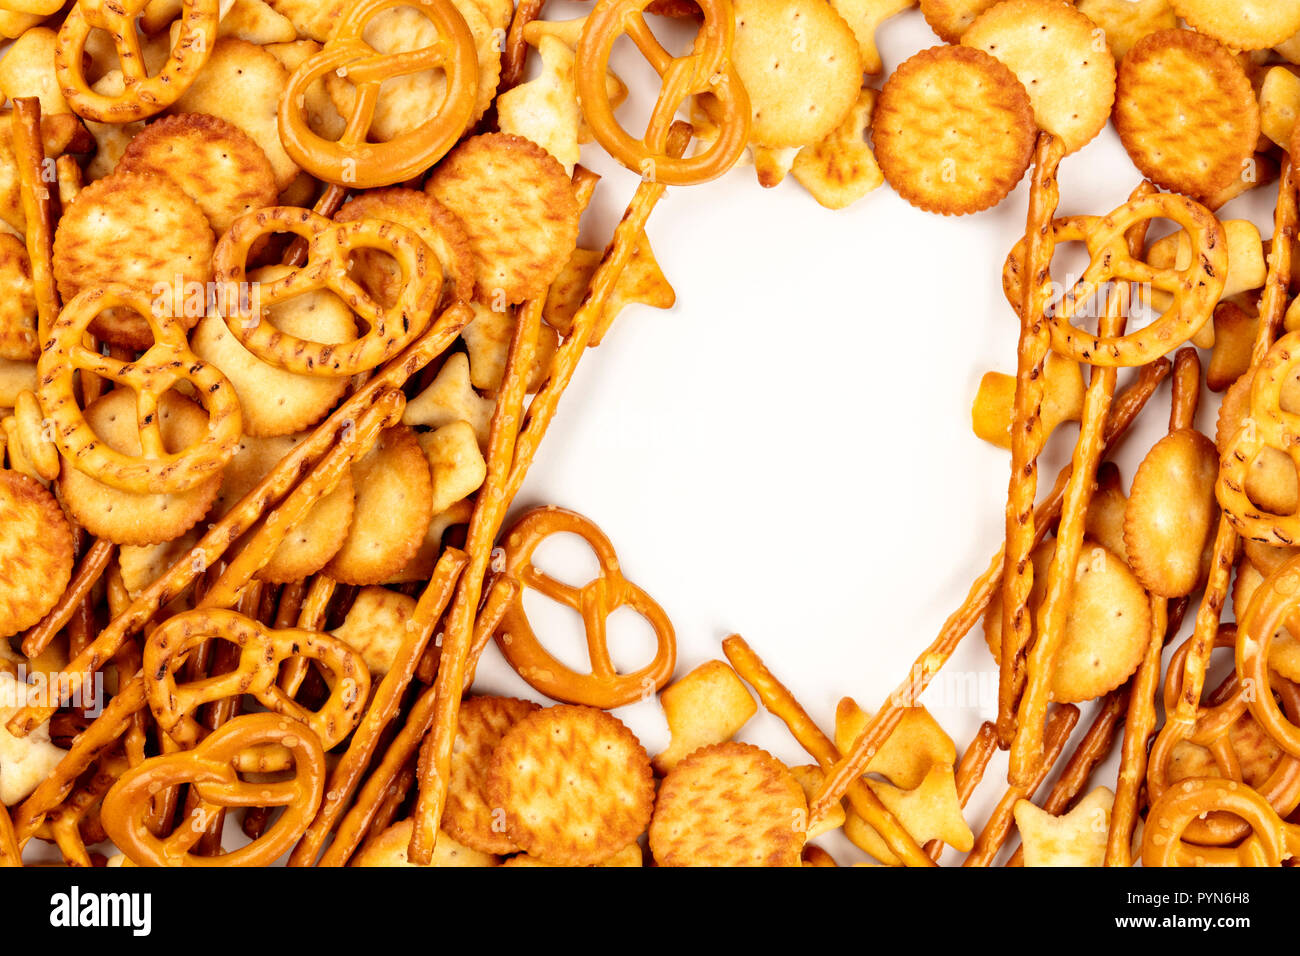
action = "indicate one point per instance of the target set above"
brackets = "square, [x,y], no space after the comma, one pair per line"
[214,162]
[1055,52]
[1186,112]
[1242,24]
[142,564]
[949,19]
[36,552]
[707,706]
[394,492]
[470,817]
[125,517]
[142,230]
[953,130]
[575,784]
[519,211]
[1127,21]
[729,804]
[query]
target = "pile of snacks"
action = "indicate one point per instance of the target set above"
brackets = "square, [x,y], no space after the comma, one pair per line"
[295,291]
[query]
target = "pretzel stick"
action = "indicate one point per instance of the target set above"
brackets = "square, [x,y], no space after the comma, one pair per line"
[1040,665]
[383,707]
[1027,436]
[9,853]
[493,500]
[89,570]
[777,698]
[394,796]
[1059,725]
[311,617]
[433,342]
[330,201]
[1140,723]
[358,821]
[38,208]
[515,54]
[501,594]
[1272,307]
[970,771]
[882,723]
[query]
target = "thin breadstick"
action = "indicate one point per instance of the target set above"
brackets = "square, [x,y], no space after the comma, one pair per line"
[970,771]
[490,508]
[998,828]
[383,707]
[38,208]
[1140,722]
[1027,748]
[782,705]
[1027,435]
[1272,308]
[275,486]
[89,570]
[881,724]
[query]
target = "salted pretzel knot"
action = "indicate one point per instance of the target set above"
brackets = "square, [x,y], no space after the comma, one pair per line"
[1274,602]
[1267,425]
[352,160]
[142,95]
[706,69]
[211,771]
[167,363]
[604,687]
[330,249]
[261,652]
[1270,841]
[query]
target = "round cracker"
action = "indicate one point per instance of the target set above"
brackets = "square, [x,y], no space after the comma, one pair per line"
[393,505]
[1172,513]
[18,336]
[429,219]
[1242,24]
[390,849]
[1186,112]
[729,804]
[1053,50]
[518,209]
[1106,631]
[800,65]
[275,401]
[949,19]
[1271,480]
[141,230]
[142,565]
[469,816]
[36,552]
[574,783]
[125,517]
[214,162]
[308,545]
[953,130]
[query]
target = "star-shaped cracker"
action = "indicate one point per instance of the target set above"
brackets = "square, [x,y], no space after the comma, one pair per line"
[864,17]
[24,761]
[841,169]
[641,282]
[569,32]
[1077,838]
[929,811]
[811,777]
[487,337]
[376,626]
[707,706]
[451,398]
[917,744]
[991,412]
[545,109]
[456,462]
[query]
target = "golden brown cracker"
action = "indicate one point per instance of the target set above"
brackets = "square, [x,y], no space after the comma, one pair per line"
[1127,21]
[311,18]
[141,230]
[518,210]
[1234,337]
[376,626]
[122,516]
[1106,511]
[393,495]
[929,811]
[545,109]
[390,849]
[800,65]
[1284,653]
[1279,105]
[707,706]
[953,130]
[864,18]
[422,565]
[451,398]
[1062,400]
[729,804]
[1077,838]
[214,162]
[915,745]
[1056,53]
[949,19]
[142,564]
[1242,24]
[322,115]
[36,552]
[487,340]
[574,782]
[811,778]
[470,817]
[641,282]
[840,168]
[457,465]
[18,338]
[433,222]
[1186,112]
[27,69]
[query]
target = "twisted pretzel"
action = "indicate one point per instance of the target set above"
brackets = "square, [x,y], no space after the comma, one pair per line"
[1267,425]
[1271,839]
[1273,603]
[707,69]
[604,687]
[351,159]
[142,95]
[330,248]
[261,652]
[210,770]
[166,364]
